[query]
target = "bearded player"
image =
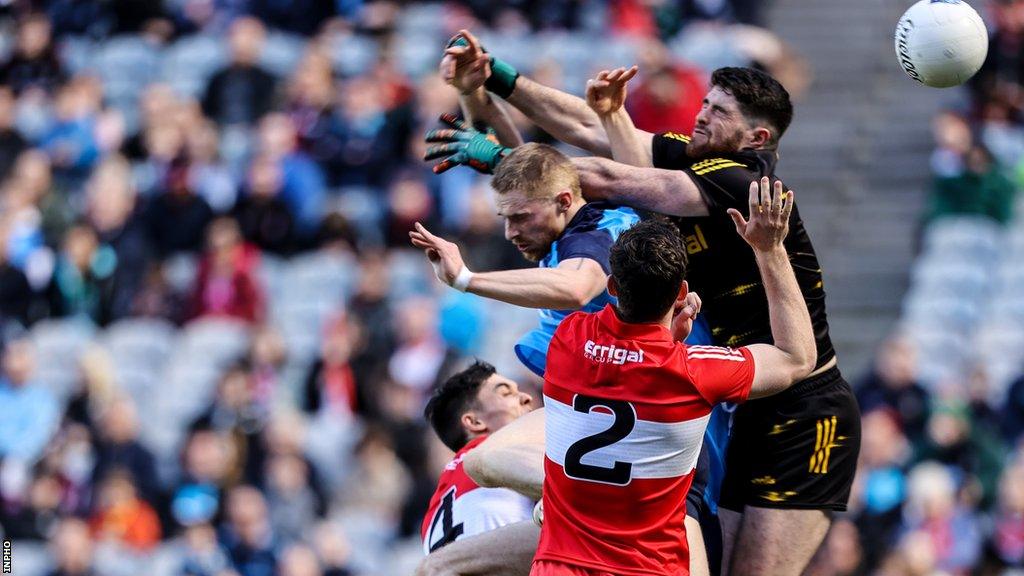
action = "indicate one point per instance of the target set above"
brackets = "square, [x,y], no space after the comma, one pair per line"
[792,458]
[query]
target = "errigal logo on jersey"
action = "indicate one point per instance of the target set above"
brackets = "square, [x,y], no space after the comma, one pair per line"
[611,354]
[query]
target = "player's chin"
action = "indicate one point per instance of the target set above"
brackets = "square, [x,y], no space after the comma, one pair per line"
[531,255]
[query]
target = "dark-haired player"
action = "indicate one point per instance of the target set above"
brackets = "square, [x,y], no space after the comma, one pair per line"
[792,458]
[463,411]
[627,403]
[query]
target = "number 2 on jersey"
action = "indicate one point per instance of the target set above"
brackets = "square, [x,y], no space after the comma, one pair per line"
[444,515]
[625,420]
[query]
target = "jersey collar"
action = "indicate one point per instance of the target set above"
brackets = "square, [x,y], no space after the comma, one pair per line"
[609,318]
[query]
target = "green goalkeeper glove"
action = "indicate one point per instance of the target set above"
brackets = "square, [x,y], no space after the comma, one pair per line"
[502,80]
[462,144]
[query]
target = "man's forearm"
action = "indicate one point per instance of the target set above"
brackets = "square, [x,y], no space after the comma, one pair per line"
[670,192]
[478,106]
[554,288]
[790,320]
[505,551]
[564,116]
[627,143]
[512,457]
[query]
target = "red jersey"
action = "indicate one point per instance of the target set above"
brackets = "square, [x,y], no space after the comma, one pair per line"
[460,507]
[626,407]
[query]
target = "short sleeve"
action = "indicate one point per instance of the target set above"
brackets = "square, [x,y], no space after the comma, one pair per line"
[593,244]
[723,182]
[668,150]
[721,374]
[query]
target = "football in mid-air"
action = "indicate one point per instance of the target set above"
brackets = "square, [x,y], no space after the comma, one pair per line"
[941,43]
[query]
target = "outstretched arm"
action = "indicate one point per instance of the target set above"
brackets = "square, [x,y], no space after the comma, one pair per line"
[466,69]
[791,358]
[606,96]
[505,551]
[669,192]
[564,116]
[570,286]
[512,457]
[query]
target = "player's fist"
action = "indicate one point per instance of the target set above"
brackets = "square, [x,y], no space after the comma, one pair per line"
[768,222]
[606,93]
[465,64]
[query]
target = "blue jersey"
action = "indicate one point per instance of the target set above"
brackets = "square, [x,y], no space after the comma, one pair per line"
[590,234]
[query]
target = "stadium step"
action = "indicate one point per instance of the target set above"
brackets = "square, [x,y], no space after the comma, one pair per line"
[858,156]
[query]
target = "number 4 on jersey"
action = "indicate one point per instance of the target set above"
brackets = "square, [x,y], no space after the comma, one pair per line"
[449,531]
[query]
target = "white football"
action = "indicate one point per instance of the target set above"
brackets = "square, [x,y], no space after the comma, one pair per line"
[941,43]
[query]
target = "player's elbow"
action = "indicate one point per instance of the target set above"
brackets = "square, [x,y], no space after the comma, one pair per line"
[804,361]
[577,297]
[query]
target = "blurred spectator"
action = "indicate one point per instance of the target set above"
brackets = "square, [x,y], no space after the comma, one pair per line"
[31,413]
[331,383]
[293,503]
[33,174]
[932,509]
[669,95]
[300,560]
[208,174]
[332,547]
[243,91]
[38,517]
[303,186]
[111,211]
[121,516]
[1005,545]
[310,97]
[264,217]
[118,447]
[95,388]
[83,279]
[981,188]
[72,549]
[247,534]
[1012,418]
[12,143]
[34,64]
[421,357]
[15,292]
[409,202]
[892,384]
[268,355]
[209,466]
[177,218]
[71,141]
[378,483]
[368,141]
[227,284]
[202,554]
[880,488]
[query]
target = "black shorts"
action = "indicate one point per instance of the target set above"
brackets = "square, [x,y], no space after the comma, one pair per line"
[795,450]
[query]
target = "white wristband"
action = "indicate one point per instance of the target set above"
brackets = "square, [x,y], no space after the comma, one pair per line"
[461,282]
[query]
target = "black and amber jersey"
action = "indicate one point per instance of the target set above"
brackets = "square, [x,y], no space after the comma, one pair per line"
[721,267]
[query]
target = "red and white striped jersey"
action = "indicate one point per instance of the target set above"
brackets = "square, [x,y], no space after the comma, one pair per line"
[626,407]
[460,507]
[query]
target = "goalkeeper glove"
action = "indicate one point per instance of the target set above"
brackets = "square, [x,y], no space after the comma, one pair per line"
[502,80]
[462,144]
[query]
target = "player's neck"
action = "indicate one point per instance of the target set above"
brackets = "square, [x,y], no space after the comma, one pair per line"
[573,209]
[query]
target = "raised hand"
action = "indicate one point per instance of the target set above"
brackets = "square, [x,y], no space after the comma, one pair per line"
[606,93]
[462,144]
[768,223]
[444,256]
[465,64]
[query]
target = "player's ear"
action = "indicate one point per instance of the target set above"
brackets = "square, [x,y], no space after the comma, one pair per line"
[613,286]
[760,137]
[473,424]
[684,289]
[564,200]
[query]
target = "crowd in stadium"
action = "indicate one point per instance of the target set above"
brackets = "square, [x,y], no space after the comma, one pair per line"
[218,341]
